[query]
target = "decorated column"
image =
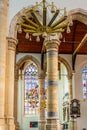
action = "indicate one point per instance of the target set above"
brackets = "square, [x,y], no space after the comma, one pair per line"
[52,44]
[3,48]
[42,101]
[10,82]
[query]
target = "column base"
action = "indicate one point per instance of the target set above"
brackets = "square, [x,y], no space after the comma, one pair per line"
[42,125]
[10,123]
[53,124]
[17,127]
[73,124]
[3,125]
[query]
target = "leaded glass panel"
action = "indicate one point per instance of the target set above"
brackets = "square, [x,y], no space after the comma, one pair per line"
[84,82]
[31,100]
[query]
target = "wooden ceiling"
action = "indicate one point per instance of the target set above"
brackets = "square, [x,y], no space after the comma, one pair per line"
[69,42]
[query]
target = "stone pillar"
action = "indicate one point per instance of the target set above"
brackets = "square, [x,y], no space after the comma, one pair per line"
[74,127]
[16,99]
[52,78]
[19,106]
[73,85]
[42,119]
[10,82]
[15,94]
[70,88]
[3,47]
[72,122]
[70,98]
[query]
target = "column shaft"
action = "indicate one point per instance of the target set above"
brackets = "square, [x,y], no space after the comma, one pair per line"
[10,83]
[42,119]
[16,100]
[70,89]
[3,47]
[52,87]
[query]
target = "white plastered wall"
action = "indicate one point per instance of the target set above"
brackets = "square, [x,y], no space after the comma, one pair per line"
[81,62]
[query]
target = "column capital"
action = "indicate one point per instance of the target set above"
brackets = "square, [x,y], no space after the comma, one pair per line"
[51,44]
[52,41]
[12,43]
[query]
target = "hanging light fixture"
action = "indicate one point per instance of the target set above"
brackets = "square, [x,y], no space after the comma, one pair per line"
[38,39]
[27,35]
[68,29]
[19,28]
[52,20]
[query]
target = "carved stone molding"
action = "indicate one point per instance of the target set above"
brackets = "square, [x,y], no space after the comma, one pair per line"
[28,58]
[79,14]
[52,44]
[12,43]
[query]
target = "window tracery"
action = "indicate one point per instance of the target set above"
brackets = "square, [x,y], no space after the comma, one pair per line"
[31,97]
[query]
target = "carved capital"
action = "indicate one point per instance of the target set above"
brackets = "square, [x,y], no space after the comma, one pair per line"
[52,44]
[12,43]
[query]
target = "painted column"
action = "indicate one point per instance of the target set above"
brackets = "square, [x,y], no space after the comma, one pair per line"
[42,118]
[10,84]
[3,48]
[52,44]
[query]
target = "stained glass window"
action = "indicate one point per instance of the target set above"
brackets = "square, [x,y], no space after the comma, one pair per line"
[31,97]
[84,82]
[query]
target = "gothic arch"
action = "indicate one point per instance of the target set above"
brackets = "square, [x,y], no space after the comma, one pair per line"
[13,28]
[67,66]
[79,14]
[25,59]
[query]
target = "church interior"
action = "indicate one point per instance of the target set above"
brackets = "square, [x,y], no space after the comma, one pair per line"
[43,65]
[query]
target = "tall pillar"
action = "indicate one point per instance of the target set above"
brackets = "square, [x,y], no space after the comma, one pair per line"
[3,47]
[73,85]
[42,118]
[10,82]
[19,107]
[70,88]
[16,99]
[15,94]
[72,122]
[52,78]
[70,98]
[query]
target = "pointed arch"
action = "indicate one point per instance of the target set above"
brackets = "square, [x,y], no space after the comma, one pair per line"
[25,59]
[69,71]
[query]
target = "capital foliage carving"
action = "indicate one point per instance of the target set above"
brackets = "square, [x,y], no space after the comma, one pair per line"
[52,44]
[12,43]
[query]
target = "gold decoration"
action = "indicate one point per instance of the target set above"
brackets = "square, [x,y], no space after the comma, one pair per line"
[42,25]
